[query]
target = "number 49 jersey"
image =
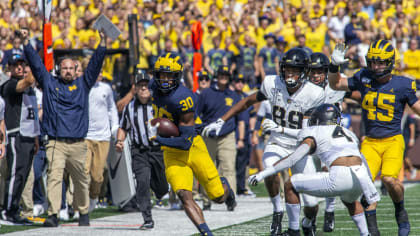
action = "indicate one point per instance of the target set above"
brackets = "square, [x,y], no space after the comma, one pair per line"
[289,110]
[332,142]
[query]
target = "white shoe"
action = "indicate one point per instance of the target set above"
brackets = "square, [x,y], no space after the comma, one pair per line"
[64,215]
[38,210]
[92,204]
[76,215]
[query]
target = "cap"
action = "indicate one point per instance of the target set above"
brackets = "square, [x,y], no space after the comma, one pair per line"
[354,15]
[157,16]
[223,70]
[239,77]
[15,59]
[211,24]
[203,74]
[269,35]
[141,76]
[280,39]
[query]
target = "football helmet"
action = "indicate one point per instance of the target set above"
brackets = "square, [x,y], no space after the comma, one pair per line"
[319,61]
[380,51]
[169,63]
[295,58]
[325,114]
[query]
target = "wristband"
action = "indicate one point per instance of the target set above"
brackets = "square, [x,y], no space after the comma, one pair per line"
[332,68]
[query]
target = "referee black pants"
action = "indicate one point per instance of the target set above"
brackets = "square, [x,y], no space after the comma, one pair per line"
[19,155]
[149,170]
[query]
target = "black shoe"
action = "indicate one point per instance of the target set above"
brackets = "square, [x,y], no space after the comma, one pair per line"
[70,211]
[128,209]
[309,231]
[230,200]
[51,221]
[84,220]
[329,221]
[16,220]
[275,228]
[403,223]
[147,225]
[290,232]
[207,207]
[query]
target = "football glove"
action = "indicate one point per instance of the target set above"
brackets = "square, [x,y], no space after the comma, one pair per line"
[254,179]
[152,129]
[271,126]
[214,126]
[337,57]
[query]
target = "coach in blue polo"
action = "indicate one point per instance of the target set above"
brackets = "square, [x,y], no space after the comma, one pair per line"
[65,120]
[213,102]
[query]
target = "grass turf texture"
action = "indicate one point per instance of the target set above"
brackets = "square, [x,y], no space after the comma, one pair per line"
[343,223]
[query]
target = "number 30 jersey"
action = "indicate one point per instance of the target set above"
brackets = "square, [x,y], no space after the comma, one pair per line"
[332,142]
[288,110]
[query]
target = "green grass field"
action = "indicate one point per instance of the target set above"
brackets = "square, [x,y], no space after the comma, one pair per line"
[344,225]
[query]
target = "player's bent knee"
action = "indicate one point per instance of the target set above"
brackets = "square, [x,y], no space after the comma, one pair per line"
[388,180]
[184,195]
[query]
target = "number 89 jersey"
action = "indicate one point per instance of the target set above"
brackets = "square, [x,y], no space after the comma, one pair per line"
[332,142]
[288,110]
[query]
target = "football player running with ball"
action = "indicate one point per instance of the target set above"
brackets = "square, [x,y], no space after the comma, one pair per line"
[384,97]
[338,149]
[186,155]
[291,97]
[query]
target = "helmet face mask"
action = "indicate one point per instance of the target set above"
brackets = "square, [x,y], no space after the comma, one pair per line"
[325,114]
[380,59]
[294,67]
[319,69]
[167,72]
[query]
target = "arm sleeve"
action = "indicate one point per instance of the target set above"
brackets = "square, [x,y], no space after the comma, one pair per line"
[125,119]
[411,94]
[184,141]
[354,82]
[94,67]
[291,132]
[35,62]
[287,162]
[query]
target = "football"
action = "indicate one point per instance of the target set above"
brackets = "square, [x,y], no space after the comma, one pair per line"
[166,127]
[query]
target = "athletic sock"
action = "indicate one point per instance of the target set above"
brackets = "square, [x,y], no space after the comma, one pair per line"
[306,222]
[204,230]
[293,212]
[329,204]
[277,203]
[361,224]
[371,221]
[399,206]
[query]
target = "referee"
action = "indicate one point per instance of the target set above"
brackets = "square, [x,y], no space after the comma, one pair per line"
[147,158]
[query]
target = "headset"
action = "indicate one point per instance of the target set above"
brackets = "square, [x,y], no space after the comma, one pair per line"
[57,66]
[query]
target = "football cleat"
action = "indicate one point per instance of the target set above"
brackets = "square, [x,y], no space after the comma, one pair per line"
[290,232]
[147,225]
[329,221]
[309,231]
[275,228]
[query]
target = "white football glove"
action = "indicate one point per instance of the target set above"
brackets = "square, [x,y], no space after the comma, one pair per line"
[152,130]
[214,126]
[270,125]
[337,57]
[254,179]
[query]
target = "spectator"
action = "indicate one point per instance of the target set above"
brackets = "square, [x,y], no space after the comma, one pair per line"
[22,122]
[337,24]
[411,65]
[248,61]
[409,131]
[301,44]
[65,121]
[103,123]
[203,81]
[215,57]
[15,51]
[147,158]
[268,60]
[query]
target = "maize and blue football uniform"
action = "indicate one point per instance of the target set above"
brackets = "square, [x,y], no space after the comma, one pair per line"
[383,107]
[181,165]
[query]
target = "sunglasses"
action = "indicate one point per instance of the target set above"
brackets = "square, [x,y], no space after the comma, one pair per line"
[239,81]
[204,78]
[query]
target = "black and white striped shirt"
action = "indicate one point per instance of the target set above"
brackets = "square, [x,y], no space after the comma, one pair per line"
[134,121]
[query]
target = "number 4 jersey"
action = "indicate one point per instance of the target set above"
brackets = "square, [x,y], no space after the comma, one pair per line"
[332,142]
[383,104]
[288,110]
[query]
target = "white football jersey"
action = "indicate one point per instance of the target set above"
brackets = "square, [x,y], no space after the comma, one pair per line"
[332,142]
[265,109]
[333,96]
[288,110]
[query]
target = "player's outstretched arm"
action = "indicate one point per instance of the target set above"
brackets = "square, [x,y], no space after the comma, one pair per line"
[301,151]
[236,109]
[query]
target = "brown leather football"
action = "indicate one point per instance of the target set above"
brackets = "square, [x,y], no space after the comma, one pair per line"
[166,127]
